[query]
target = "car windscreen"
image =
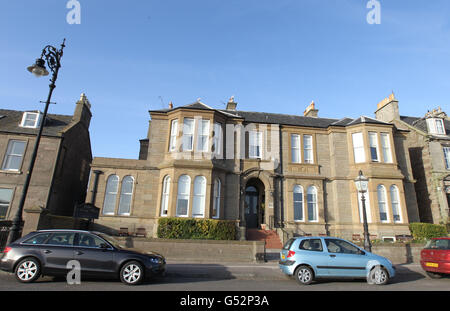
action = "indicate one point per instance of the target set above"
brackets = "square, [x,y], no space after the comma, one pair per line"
[443,244]
[111,240]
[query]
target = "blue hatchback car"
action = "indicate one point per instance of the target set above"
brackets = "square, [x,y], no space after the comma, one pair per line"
[309,258]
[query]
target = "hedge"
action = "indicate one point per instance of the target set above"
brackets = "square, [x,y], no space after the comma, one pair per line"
[421,231]
[196,229]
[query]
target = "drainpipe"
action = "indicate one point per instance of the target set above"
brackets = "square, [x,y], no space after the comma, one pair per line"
[97,174]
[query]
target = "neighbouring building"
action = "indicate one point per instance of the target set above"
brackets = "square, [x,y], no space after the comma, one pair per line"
[61,171]
[290,173]
[428,144]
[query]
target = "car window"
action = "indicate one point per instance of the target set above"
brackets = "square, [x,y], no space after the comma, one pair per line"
[311,245]
[438,244]
[89,240]
[340,246]
[288,244]
[61,238]
[37,239]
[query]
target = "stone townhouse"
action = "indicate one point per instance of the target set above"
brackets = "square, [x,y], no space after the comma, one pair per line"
[290,173]
[61,171]
[428,143]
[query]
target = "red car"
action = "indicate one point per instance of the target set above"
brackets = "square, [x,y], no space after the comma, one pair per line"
[435,257]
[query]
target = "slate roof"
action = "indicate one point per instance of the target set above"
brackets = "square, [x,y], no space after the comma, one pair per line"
[54,125]
[277,118]
[421,123]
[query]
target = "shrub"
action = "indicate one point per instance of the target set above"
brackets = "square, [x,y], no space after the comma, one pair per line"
[422,231]
[198,229]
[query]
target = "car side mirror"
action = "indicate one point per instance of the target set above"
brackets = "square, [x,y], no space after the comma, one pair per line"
[361,252]
[104,246]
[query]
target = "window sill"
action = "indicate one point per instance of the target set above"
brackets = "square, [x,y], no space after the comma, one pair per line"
[11,172]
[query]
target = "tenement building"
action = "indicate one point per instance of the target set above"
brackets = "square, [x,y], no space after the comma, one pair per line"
[428,144]
[290,173]
[61,171]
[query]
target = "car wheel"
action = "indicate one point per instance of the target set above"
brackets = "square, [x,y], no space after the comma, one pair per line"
[378,276]
[304,275]
[28,270]
[132,273]
[433,275]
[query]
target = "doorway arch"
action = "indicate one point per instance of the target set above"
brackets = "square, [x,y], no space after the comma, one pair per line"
[254,206]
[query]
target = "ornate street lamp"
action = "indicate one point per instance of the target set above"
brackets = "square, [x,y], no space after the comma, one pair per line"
[53,57]
[362,184]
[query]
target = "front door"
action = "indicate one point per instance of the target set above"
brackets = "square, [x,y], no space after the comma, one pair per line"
[93,258]
[251,207]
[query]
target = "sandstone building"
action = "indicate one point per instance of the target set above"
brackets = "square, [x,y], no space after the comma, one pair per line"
[428,144]
[290,173]
[61,171]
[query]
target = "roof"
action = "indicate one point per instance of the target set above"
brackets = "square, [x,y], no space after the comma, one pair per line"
[54,124]
[277,118]
[421,123]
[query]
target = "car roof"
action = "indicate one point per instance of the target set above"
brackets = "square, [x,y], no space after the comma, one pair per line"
[63,230]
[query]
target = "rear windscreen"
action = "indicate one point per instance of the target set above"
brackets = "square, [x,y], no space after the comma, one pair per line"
[288,244]
[438,244]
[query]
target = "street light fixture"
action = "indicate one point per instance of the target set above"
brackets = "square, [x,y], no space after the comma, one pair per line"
[53,57]
[362,185]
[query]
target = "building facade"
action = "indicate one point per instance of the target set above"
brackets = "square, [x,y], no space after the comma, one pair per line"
[428,144]
[294,174]
[61,171]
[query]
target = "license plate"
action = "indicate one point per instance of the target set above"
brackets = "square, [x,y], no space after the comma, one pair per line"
[431,264]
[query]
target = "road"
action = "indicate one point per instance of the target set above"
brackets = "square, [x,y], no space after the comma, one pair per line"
[242,277]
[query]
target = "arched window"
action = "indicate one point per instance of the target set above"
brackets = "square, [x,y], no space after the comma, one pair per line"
[312,204]
[198,205]
[184,188]
[126,193]
[382,203]
[298,203]
[216,199]
[395,201]
[165,196]
[112,186]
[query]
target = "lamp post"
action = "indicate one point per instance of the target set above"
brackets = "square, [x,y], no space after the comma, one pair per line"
[362,183]
[53,57]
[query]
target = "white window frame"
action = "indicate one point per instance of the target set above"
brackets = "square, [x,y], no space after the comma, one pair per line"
[446,151]
[216,198]
[373,144]
[185,195]
[299,190]
[312,190]
[198,202]
[188,134]
[110,192]
[203,135]
[296,155]
[165,196]
[217,139]
[386,147]
[433,126]
[173,135]
[36,120]
[125,210]
[358,147]
[382,202]
[9,155]
[395,201]
[255,145]
[308,150]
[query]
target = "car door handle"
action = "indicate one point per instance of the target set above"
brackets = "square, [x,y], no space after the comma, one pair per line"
[333,256]
[47,251]
[79,253]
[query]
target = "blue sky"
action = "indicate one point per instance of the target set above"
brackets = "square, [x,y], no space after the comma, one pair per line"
[273,56]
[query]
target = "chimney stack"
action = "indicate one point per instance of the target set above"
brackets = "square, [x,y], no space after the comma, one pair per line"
[387,109]
[231,105]
[170,105]
[82,112]
[311,111]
